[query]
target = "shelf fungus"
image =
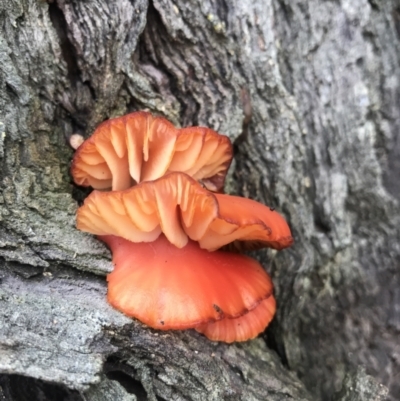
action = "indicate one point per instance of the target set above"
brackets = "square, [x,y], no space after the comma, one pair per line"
[138,147]
[174,241]
[167,287]
[182,209]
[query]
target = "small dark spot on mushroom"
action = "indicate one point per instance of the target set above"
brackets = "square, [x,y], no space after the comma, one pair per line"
[272,209]
[162,322]
[217,308]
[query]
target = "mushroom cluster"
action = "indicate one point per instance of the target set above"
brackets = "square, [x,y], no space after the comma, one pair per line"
[174,237]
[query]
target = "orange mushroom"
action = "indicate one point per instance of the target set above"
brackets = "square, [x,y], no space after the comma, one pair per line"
[179,207]
[169,235]
[167,287]
[139,147]
[242,328]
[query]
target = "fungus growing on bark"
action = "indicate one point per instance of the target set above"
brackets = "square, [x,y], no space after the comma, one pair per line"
[139,147]
[163,235]
[169,234]
[181,208]
[167,287]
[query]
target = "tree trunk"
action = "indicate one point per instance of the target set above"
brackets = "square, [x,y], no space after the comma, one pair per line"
[308,91]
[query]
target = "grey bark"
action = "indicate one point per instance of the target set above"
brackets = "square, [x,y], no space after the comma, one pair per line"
[309,93]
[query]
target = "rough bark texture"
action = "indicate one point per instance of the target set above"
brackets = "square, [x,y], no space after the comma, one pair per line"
[308,90]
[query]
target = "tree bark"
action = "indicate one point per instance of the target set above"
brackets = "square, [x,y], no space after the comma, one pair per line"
[308,91]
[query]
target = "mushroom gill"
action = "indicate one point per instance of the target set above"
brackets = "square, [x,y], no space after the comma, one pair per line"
[182,209]
[138,147]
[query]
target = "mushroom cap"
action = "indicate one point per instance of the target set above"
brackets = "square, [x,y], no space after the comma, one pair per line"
[245,224]
[170,288]
[181,208]
[138,147]
[242,328]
